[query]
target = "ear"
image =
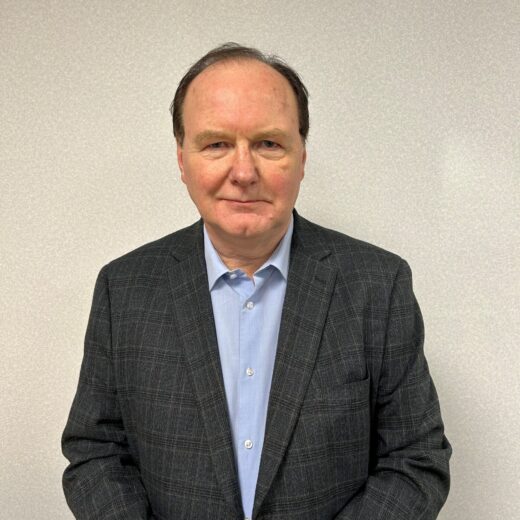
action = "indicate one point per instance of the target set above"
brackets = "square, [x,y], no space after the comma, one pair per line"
[180,160]
[304,159]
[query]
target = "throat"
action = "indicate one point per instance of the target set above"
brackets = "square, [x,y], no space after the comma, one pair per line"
[246,264]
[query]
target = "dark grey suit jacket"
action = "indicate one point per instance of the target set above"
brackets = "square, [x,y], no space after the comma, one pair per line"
[353,428]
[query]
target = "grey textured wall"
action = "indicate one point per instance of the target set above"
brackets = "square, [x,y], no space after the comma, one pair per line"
[414,146]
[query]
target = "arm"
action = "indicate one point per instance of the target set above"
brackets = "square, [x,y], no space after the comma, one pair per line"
[102,480]
[410,474]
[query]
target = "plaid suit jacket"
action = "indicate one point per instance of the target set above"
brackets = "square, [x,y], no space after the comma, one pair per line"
[353,428]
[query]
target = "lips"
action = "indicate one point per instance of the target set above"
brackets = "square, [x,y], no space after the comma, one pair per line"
[237,201]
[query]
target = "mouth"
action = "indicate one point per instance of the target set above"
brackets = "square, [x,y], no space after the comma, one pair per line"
[245,202]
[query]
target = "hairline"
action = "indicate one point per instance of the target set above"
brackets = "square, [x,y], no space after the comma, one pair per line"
[240,54]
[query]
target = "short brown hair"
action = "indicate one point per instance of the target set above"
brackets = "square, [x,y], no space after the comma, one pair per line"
[233,51]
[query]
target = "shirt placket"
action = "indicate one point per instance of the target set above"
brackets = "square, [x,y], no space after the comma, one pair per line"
[248,390]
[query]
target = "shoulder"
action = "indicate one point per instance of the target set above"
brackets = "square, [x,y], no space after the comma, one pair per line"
[355,259]
[156,256]
[367,274]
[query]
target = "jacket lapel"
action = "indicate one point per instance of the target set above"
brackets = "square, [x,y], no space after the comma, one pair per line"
[309,289]
[196,332]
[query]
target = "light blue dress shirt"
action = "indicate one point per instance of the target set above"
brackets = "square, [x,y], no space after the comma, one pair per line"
[247,319]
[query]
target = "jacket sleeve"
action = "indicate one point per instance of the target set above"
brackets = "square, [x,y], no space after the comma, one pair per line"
[410,471]
[102,479]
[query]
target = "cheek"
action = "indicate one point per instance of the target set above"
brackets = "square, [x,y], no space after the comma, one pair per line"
[201,182]
[199,190]
[285,185]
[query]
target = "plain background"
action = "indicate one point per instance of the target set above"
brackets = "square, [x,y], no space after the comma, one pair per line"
[414,145]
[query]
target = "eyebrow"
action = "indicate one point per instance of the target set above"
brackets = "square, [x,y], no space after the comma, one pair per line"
[211,135]
[216,135]
[271,133]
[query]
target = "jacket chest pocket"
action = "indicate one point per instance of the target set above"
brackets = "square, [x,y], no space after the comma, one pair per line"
[338,413]
[352,396]
[331,441]
[337,417]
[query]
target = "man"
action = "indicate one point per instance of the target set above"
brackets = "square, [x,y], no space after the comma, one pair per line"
[253,365]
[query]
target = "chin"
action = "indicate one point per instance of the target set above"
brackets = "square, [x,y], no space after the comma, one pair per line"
[245,223]
[244,231]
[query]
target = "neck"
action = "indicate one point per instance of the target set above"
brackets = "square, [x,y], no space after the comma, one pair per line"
[245,253]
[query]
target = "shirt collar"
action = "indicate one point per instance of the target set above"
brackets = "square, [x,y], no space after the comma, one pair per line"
[279,258]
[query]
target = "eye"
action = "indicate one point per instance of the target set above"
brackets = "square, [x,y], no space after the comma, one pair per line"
[215,150]
[271,145]
[216,146]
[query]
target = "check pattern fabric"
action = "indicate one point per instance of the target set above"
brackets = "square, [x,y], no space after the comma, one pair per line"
[353,427]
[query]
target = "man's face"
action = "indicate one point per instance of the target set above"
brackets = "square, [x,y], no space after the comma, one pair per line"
[242,158]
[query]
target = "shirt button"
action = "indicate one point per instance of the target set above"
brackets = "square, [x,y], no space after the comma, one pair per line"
[250,305]
[248,444]
[233,276]
[250,371]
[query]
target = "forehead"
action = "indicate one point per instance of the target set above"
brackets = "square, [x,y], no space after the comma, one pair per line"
[245,91]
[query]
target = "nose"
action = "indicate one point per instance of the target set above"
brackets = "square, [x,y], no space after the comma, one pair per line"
[244,169]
